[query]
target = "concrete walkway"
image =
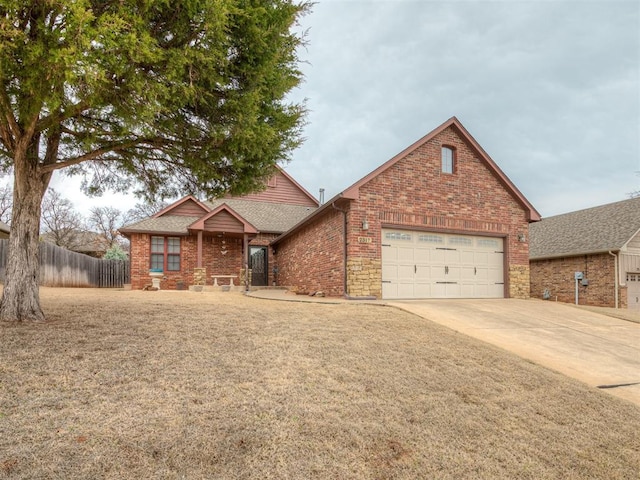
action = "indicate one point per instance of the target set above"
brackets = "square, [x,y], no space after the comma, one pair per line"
[592,347]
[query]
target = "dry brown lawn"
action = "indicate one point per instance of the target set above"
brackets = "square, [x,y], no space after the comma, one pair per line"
[216,385]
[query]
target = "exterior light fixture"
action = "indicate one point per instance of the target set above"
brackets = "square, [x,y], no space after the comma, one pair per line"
[522,237]
[365,224]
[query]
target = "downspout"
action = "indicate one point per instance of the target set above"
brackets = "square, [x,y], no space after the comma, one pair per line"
[344,257]
[615,268]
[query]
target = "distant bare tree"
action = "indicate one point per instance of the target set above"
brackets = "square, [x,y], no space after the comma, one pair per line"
[6,203]
[634,194]
[145,210]
[60,223]
[106,221]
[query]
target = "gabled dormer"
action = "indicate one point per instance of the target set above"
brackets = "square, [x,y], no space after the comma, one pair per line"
[188,206]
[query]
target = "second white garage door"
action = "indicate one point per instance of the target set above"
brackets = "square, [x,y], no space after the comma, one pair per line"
[436,265]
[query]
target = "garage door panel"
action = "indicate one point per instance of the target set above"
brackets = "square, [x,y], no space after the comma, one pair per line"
[405,254]
[429,265]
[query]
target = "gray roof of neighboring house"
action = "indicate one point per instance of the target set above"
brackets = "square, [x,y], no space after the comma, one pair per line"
[265,217]
[4,227]
[597,229]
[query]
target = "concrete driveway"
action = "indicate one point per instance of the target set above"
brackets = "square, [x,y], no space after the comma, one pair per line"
[594,348]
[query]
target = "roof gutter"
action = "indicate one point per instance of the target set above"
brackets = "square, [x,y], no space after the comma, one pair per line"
[569,254]
[616,280]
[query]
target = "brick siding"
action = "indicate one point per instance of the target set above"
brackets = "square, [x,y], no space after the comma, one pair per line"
[312,259]
[413,194]
[557,276]
[212,259]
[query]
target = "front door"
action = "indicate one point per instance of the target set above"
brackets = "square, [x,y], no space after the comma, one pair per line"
[259,266]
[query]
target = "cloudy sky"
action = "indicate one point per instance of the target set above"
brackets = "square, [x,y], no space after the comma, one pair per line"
[550,89]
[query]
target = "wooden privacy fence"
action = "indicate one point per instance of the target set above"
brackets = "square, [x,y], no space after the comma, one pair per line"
[60,267]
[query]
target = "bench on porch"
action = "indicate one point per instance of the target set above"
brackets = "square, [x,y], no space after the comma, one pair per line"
[230,277]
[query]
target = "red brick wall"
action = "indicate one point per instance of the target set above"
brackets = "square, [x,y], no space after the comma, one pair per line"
[557,276]
[311,259]
[212,258]
[415,194]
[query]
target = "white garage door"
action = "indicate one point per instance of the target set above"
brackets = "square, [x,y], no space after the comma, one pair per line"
[436,265]
[633,291]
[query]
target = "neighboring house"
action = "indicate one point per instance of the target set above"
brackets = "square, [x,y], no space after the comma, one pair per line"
[603,243]
[439,220]
[79,241]
[4,230]
[191,240]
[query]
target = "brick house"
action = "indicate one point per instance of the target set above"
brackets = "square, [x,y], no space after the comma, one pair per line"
[438,220]
[191,240]
[603,243]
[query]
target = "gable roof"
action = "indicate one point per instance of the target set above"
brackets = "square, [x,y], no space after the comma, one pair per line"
[532,213]
[265,216]
[593,230]
[188,206]
[352,192]
[200,224]
[281,188]
[167,225]
[261,216]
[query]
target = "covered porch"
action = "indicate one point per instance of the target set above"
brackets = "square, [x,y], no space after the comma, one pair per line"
[224,255]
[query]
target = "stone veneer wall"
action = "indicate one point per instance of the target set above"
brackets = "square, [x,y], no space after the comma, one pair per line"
[364,277]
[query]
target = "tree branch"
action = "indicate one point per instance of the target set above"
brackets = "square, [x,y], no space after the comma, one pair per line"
[7,113]
[60,116]
[99,152]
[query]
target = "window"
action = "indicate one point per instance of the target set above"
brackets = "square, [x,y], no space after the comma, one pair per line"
[447,160]
[165,253]
[466,241]
[397,236]
[430,238]
[488,243]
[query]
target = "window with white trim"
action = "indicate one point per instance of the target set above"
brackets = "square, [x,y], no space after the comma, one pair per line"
[447,160]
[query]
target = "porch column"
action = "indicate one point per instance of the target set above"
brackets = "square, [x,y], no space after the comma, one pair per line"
[246,262]
[199,255]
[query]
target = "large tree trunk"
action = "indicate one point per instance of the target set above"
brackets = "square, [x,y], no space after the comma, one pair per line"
[21,295]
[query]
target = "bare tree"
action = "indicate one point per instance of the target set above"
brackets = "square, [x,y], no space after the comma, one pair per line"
[6,203]
[60,223]
[106,221]
[145,210]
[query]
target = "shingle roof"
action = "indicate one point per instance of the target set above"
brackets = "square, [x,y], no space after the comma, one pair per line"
[166,224]
[597,229]
[266,217]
